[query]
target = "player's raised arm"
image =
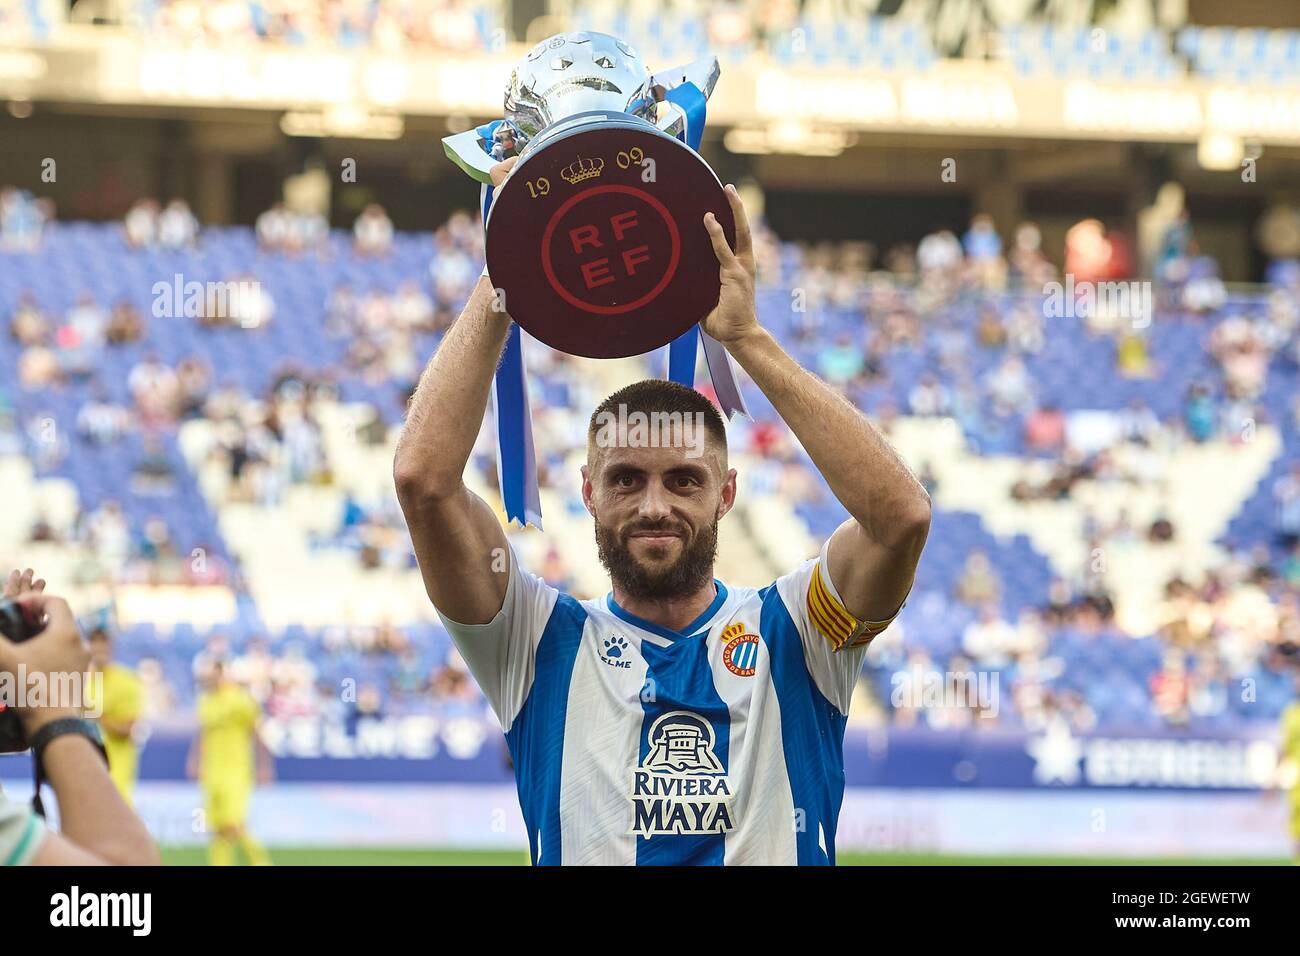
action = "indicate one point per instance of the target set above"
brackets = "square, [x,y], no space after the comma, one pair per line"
[872,557]
[458,539]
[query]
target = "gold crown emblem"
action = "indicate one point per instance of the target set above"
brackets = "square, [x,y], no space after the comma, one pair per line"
[582,169]
[732,630]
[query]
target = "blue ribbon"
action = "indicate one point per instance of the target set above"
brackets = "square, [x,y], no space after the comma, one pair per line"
[684,349]
[689,97]
[516,456]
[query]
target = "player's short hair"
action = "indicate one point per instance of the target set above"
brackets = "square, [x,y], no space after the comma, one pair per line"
[656,395]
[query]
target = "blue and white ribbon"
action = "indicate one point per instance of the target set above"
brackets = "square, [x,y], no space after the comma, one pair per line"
[683,351]
[516,455]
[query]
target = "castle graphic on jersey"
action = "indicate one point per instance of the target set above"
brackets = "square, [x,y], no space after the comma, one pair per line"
[680,785]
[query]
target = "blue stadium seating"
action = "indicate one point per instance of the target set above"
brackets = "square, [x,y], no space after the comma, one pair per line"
[1074,370]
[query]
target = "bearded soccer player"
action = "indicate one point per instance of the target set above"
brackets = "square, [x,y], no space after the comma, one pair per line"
[678,720]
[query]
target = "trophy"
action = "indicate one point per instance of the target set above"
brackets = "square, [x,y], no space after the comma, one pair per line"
[597,238]
[596,242]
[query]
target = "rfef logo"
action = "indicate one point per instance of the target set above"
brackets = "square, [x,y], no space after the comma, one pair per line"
[610,249]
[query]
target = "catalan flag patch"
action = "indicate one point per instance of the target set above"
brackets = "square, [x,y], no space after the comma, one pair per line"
[835,623]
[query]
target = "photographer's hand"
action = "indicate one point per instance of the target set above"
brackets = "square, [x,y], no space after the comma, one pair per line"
[57,650]
[20,582]
[98,826]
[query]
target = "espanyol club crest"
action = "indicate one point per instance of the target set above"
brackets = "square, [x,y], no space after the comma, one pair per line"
[740,655]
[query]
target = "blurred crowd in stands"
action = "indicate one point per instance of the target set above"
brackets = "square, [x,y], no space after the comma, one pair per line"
[348,24]
[299,677]
[22,219]
[1120,42]
[1226,649]
[954,327]
[22,20]
[383,25]
[148,224]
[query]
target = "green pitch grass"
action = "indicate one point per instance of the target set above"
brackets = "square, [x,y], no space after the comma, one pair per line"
[305,856]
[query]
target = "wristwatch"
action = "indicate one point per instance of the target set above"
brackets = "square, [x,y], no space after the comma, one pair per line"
[50,732]
[67,725]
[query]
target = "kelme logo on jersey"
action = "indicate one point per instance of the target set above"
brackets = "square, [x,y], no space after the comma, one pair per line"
[681,786]
[740,656]
[614,651]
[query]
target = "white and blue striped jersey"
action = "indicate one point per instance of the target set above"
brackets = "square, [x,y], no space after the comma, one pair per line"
[637,745]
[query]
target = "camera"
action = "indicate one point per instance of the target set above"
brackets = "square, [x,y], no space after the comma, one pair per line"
[17,624]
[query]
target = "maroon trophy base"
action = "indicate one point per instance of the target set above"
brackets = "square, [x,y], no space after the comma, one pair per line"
[597,239]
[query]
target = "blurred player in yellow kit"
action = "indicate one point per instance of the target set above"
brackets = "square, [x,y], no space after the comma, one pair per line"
[120,706]
[223,760]
[1291,754]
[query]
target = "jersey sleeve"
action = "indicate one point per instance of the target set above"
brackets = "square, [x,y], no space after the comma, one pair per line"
[21,833]
[500,653]
[831,651]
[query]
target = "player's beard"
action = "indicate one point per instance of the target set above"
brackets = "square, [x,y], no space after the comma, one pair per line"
[692,570]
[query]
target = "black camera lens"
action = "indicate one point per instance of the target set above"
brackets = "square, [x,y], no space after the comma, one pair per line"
[13,621]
